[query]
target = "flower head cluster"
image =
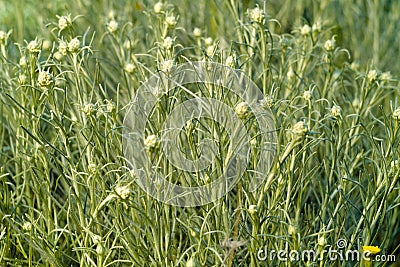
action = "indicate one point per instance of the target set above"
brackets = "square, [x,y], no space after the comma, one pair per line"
[167,65]
[33,46]
[45,79]
[92,168]
[123,191]
[89,109]
[256,15]
[4,36]
[112,26]
[305,30]
[307,95]
[330,45]
[27,226]
[151,142]
[158,7]
[129,67]
[230,61]
[64,22]
[336,111]
[372,75]
[73,45]
[171,21]
[197,32]
[242,110]
[168,43]
[267,102]
[396,115]
[62,47]
[252,209]
[300,128]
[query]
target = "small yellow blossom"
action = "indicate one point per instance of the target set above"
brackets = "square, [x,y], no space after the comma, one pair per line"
[371,249]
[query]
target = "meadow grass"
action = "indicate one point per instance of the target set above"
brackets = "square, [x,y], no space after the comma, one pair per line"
[69,72]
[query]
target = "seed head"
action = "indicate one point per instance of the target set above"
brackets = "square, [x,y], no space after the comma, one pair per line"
[191,262]
[110,106]
[47,44]
[317,27]
[92,168]
[22,78]
[291,230]
[127,44]
[386,76]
